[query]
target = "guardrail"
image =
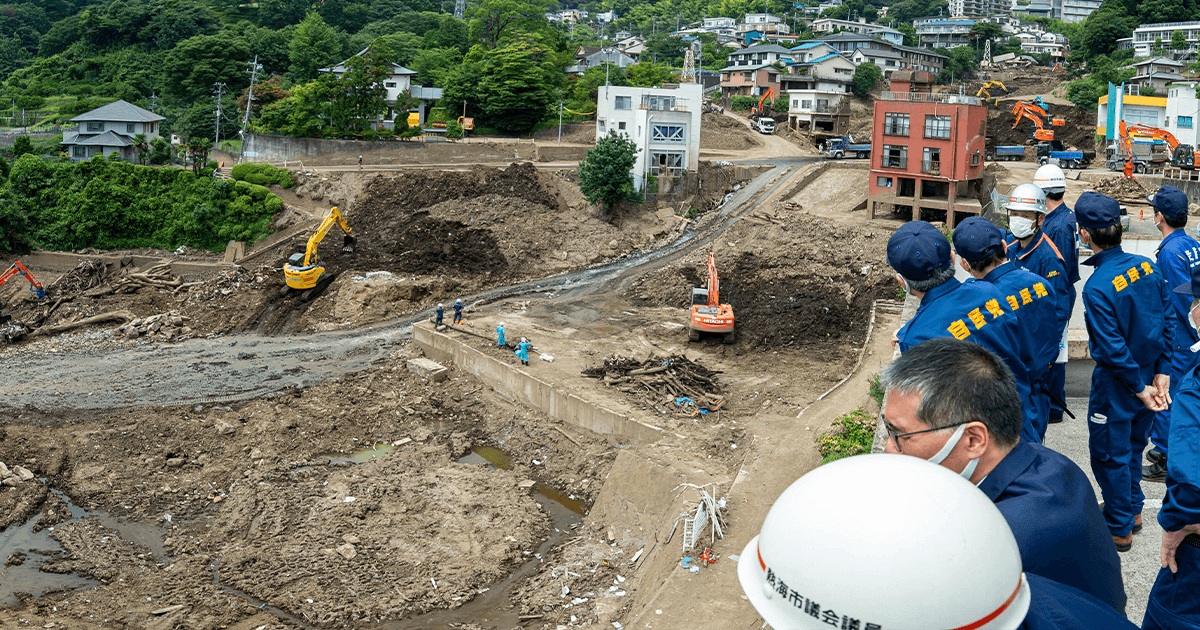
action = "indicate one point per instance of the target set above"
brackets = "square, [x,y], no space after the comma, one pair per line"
[928,97]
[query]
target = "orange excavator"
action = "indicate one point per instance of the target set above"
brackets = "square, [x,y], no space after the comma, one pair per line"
[1184,156]
[1035,112]
[708,314]
[17,269]
[760,110]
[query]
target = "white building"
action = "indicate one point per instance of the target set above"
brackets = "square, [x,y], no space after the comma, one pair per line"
[1183,113]
[1076,10]
[720,22]
[1155,72]
[1144,36]
[664,123]
[885,59]
[1065,10]
[939,32]
[399,82]
[763,23]
[959,8]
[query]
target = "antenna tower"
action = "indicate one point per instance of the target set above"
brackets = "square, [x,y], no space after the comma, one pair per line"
[460,7]
[689,66]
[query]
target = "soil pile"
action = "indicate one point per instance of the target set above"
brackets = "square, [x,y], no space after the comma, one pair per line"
[719,132]
[1119,187]
[1078,134]
[572,133]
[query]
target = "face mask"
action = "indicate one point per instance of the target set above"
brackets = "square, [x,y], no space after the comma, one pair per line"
[950,444]
[1021,227]
[904,283]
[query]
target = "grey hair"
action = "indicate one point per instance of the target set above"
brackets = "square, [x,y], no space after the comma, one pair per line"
[938,279]
[958,382]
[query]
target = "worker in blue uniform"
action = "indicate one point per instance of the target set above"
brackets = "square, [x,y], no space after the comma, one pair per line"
[1126,306]
[1175,598]
[1177,256]
[980,249]
[920,254]
[500,336]
[1046,499]
[458,309]
[1061,228]
[522,351]
[440,313]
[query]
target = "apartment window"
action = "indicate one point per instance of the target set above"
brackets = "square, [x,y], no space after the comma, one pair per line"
[937,127]
[975,159]
[624,102]
[883,182]
[895,124]
[666,161]
[668,133]
[95,126]
[894,156]
[621,125]
[931,161]
[129,128]
[806,105]
[600,124]
[746,76]
[1184,122]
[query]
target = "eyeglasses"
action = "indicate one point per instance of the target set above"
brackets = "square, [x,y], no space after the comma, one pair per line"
[896,436]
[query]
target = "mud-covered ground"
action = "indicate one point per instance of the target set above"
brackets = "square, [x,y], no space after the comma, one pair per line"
[249,496]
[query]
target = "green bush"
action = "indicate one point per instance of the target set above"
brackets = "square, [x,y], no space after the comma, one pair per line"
[242,188]
[742,103]
[259,192]
[876,391]
[262,174]
[274,204]
[851,434]
[116,205]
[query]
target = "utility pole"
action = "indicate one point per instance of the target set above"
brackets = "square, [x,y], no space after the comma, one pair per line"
[560,108]
[220,92]
[154,102]
[460,7]
[255,68]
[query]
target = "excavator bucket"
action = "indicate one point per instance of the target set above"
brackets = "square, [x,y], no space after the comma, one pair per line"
[348,244]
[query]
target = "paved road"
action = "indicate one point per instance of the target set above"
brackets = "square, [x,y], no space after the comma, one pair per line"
[1139,566]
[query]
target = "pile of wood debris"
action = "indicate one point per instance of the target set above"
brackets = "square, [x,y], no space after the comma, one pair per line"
[1122,189]
[673,382]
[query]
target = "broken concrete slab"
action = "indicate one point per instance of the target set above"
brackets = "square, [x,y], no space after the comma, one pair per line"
[428,369]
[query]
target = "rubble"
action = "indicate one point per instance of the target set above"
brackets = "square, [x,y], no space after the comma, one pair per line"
[170,326]
[674,382]
[1122,189]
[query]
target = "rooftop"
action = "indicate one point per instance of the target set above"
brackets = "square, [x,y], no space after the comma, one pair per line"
[340,68]
[118,111]
[927,97]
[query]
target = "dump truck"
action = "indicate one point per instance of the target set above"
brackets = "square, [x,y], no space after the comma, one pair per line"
[845,146]
[1009,154]
[764,125]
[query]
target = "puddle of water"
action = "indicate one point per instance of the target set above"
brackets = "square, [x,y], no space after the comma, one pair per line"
[39,548]
[487,455]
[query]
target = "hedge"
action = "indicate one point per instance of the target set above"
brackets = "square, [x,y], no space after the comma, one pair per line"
[262,174]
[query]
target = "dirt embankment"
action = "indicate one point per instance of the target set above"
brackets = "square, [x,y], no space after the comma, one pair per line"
[572,133]
[1078,133]
[719,132]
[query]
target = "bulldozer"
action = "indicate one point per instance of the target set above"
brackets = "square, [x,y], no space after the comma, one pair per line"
[708,314]
[303,271]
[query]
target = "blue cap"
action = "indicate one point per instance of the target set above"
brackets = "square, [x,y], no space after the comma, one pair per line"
[918,250]
[1170,201]
[976,239]
[1094,210]
[1192,287]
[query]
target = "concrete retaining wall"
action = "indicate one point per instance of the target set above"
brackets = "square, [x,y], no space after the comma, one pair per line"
[323,152]
[512,381]
[65,261]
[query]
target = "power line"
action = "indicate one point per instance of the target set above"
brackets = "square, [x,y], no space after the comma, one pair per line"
[220,92]
[255,68]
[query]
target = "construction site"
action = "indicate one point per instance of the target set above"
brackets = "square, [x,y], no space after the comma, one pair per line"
[198,441]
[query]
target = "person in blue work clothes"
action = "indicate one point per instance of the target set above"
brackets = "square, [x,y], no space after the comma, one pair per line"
[1177,256]
[946,384]
[1034,251]
[440,313]
[458,309]
[920,254]
[1032,298]
[1061,227]
[522,351]
[500,336]
[1175,597]
[1126,307]
[950,560]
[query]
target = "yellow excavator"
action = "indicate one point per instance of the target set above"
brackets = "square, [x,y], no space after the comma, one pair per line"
[304,271]
[985,92]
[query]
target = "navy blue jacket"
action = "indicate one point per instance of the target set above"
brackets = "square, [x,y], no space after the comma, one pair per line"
[1043,258]
[1181,506]
[1177,255]
[1052,510]
[970,311]
[1126,302]
[1062,229]
[1054,606]
[1034,301]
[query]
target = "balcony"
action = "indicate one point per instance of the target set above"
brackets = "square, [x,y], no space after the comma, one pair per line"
[892,161]
[932,167]
[927,97]
[663,107]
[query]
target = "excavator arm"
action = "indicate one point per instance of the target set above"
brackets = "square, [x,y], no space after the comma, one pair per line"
[1035,114]
[334,218]
[759,110]
[714,284]
[17,269]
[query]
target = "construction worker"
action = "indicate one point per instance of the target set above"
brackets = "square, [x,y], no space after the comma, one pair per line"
[1173,603]
[441,312]
[1030,297]
[1177,256]
[1126,308]
[458,308]
[1046,499]
[920,254]
[523,351]
[500,336]
[1062,229]
[945,557]
[1034,251]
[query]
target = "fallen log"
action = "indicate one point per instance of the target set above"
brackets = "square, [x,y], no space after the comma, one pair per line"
[119,317]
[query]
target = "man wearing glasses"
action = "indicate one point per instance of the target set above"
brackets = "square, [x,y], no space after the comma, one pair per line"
[955,403]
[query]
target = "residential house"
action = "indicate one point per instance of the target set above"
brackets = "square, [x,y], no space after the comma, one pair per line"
[763,23]
[819,112]
[1146,36]
[1183,113]
[829,74]
[110,129]
[1065,10]
[926,152]
[400,81]
[939,32]
[818,89]
[1052,44]
[750,80]
[606,17]
[632,46]
[959,8]
[914,58]
[888,61]
[598,58]
[663,122]
[1035,8]
[720,22]
[1155,72]
[758,55]
[829,25]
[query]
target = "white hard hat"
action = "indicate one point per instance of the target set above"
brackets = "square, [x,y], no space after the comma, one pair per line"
[946,559]
[458,301]
[502,324]
[1027,198]
[1050,178]
[439,305]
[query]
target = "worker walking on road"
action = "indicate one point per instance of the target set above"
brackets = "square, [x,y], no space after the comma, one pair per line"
[1177,256]
[441,313]
[1173,603]
[1028,296]
[1060,225]
[523,351]
[458,309]
[1126,308]
[500,336]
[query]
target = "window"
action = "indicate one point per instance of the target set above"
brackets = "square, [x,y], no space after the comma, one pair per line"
[668,133]
[895,124]
[806,105]
[79,152]
[129,128]
[1184,122]
[95,126]
[662,103]
[975,159]
[883,182]
[600,125]
[931,161]
[666,162]
[937,127]
[389,84]
[620,125]
[624,102]
[894,156]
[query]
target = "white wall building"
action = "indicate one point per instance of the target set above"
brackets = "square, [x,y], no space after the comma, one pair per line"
[1145,35]
[763,23]
[720,22]
[1183,113]
[664,123]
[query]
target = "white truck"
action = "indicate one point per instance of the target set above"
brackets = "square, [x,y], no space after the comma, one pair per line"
[764,125]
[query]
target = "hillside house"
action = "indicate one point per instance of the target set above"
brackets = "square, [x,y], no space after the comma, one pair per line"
[593,57]
[110,129]
[399,82]
[914,58]
[664,123]
[1156,72]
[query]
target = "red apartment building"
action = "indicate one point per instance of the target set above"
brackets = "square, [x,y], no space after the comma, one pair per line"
[926,151]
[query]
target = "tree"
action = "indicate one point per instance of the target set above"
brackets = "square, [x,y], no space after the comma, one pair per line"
[160,151]
[141,148]
[962,61]
[315,45]
[197,150]
[492,20]
[1102,29]
[1147,90]
[517,84]
[22,145]
[985,31]
[866,77]
[1178,41]
[362,97]
[604,173]
[196,63]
